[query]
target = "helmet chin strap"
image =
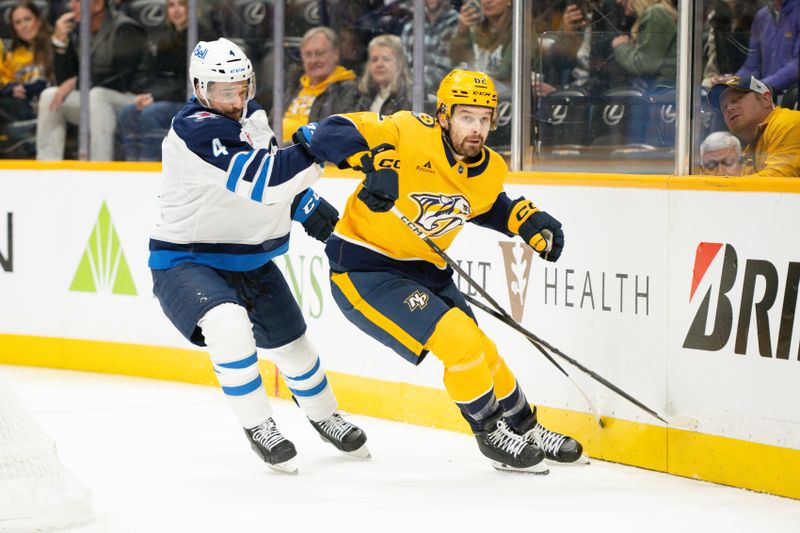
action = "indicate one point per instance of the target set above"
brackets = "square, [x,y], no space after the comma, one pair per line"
[448,142]
[446,136]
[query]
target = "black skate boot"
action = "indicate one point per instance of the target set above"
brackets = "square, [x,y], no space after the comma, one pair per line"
[556,447]
[273,448]
[345,436]
[510,451]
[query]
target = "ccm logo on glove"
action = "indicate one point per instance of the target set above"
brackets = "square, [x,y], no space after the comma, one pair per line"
[380,188]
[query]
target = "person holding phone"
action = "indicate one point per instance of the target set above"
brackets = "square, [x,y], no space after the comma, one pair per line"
[482,41]
[119,45]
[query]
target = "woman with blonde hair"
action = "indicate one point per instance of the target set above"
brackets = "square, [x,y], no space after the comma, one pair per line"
[650,53]
[386,83]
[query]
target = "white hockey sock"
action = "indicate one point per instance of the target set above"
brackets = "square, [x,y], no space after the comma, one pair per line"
[300,367]
[229,337]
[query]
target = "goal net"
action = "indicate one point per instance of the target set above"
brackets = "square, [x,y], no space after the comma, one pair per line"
[36,492]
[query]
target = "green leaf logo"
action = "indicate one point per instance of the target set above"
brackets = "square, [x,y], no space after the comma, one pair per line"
[103,267]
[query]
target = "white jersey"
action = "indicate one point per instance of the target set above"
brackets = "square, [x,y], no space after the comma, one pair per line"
[226,191]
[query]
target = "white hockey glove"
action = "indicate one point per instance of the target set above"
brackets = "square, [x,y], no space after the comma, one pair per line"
[257,133]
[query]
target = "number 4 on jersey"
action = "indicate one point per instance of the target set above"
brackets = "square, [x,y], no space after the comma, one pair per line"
[218,148]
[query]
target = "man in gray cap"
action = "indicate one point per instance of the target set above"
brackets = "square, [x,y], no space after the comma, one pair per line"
[771,134]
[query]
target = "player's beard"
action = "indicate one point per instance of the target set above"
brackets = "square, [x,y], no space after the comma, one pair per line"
[468,146]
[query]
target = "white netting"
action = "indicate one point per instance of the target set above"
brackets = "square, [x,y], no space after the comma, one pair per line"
[36,492]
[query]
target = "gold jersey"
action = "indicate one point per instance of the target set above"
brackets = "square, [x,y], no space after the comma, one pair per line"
[436,191]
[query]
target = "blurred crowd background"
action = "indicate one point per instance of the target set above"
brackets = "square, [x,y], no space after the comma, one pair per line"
[602,73]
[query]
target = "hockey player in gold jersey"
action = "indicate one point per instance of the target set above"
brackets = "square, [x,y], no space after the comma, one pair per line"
[389,283]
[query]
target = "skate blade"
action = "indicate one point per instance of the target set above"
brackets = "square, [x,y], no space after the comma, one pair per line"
[361,453]
[582,460]
[286,467]
[540,469]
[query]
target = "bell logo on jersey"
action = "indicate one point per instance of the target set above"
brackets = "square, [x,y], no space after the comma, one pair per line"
[440,213]
[417,300]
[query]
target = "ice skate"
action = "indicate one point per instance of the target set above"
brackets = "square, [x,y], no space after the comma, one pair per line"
[273,448]
[345,436]
[509,451]
[557,448]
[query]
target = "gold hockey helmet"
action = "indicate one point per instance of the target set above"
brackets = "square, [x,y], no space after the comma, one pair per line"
[466,87]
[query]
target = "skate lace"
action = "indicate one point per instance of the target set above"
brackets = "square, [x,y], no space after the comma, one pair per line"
[507,440]
[268,435]
[548,441]
[335,426]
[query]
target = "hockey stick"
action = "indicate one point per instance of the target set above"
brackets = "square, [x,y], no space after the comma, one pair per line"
[681,420]
[499,316]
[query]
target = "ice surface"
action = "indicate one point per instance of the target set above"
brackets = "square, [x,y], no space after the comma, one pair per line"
[169,457]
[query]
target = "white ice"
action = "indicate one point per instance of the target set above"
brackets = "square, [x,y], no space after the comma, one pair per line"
[168,457]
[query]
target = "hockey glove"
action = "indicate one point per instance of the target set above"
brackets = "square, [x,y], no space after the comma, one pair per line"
[317,216]
[544,234]
[257,132]
[380,188]
[302,137]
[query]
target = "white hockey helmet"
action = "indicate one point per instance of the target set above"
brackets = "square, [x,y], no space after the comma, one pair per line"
[219,61]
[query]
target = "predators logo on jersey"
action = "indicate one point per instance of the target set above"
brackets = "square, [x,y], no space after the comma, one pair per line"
[440,213]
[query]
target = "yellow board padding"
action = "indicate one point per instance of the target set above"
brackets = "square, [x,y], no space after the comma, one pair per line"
[572,179]
[739,463]
[92,166]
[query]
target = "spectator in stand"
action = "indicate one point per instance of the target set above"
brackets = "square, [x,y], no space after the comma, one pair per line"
[482,41]
[771,134]
[580,51]
[728,35]
[721,154]
[326,88]
[649,55]
[385,86]
[118,46]
[144,123]
[26,67]
[441,22]
[774,45]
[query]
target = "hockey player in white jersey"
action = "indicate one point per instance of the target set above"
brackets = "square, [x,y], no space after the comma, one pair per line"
[226,205]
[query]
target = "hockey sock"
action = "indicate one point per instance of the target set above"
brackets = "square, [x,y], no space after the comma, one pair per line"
[299,364]
[516,409]
[229,337]
[511,398]
[459,344]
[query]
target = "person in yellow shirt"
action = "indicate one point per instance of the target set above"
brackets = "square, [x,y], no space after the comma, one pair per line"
[326,87]
[771,134]
[389,283]
[26,66]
